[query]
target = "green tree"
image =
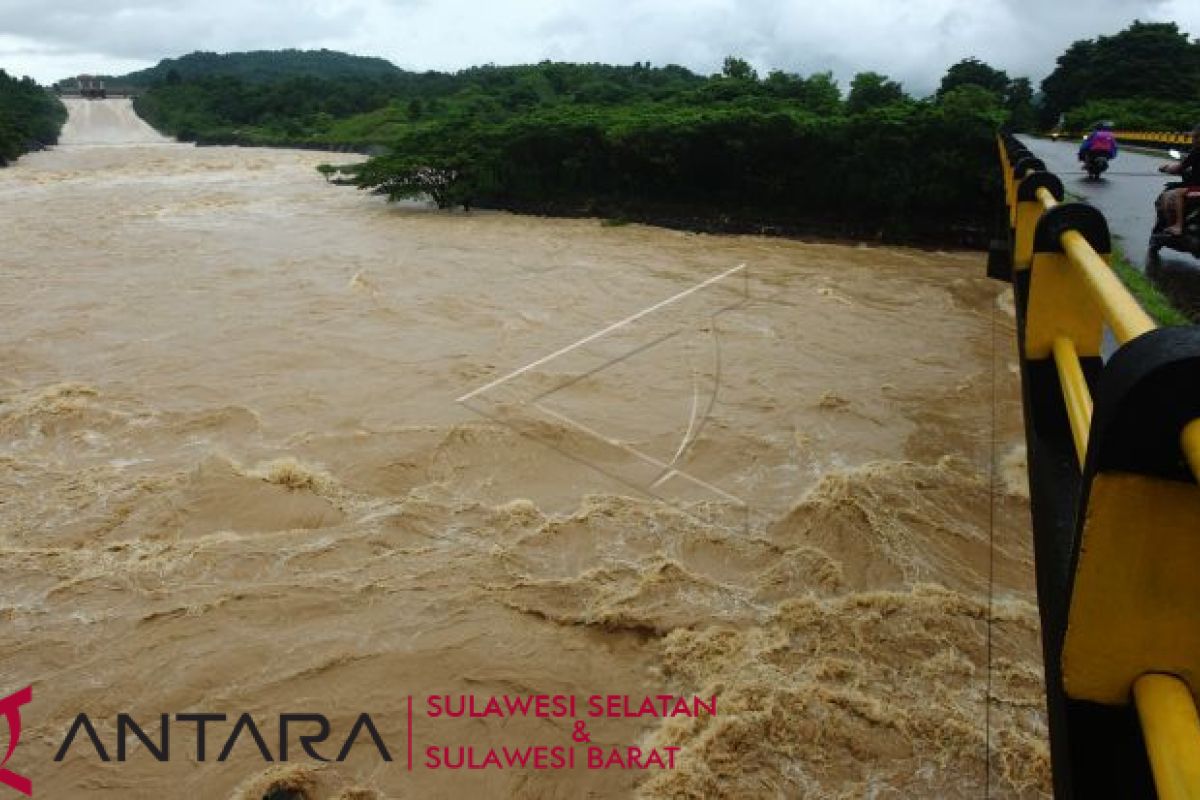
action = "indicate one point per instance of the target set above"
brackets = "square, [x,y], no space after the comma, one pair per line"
[738,70]
[414,177]
[1147,60]
[972,71]
[869,90]
[784,84]
[971,100]
[821,94]
[30,117]
[1018,101]
[1067,85]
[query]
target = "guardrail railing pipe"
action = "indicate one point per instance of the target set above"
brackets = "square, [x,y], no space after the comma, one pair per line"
[1121,311]
[1171,728]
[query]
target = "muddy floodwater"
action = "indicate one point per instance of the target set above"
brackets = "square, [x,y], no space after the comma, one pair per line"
[270,446]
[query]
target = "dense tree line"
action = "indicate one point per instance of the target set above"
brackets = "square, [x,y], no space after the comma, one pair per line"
[905,170]
[235,107]
[30,117]
[1135,114]
[1146,76]
[664,142]
[734,150]
[899,170]
[213,107]
[232,107]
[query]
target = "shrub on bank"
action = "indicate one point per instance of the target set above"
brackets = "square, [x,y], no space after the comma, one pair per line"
[30,117]
[909,170]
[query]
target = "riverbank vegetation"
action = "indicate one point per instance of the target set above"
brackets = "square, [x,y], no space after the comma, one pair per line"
[730,151]
[30,117]
[906,170]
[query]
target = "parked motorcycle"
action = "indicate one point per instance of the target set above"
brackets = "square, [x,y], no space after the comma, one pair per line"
[1189,240]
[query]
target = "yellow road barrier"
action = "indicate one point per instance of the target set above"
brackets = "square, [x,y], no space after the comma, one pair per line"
[1154,137]
[1114,462]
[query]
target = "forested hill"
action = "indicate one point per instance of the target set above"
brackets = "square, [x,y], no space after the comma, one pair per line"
[262,66]
[30,117]
[223,107]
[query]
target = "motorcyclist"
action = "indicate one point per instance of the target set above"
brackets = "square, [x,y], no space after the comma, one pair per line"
[1172,200]
[1100,141]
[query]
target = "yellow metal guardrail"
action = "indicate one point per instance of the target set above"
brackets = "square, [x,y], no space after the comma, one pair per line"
[1155,137]
[1145,137]
[1114,459]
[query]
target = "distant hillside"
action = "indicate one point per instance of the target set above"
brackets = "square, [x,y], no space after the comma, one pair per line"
[360,112]
[263,66]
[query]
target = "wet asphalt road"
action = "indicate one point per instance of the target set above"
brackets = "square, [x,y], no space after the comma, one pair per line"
[1125,194]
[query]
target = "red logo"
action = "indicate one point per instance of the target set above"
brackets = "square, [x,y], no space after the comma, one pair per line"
[10,710]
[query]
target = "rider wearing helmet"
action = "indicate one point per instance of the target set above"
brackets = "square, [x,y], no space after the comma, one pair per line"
[1189,172]
[1100,141]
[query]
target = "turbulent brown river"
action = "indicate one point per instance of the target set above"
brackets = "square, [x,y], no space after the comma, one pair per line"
[270,445]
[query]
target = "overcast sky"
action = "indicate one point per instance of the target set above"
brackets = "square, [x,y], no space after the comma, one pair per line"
[912,41]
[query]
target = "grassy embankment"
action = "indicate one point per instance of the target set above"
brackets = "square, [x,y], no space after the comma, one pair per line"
[1153,301]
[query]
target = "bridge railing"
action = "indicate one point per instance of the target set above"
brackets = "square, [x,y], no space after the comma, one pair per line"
[1155,137]
[1114,460]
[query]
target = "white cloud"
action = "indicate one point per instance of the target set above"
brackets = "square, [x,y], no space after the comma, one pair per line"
[912,41]
[48,62]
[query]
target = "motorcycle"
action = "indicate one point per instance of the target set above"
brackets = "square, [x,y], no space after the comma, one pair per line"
[1095,164]
[1189,240]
